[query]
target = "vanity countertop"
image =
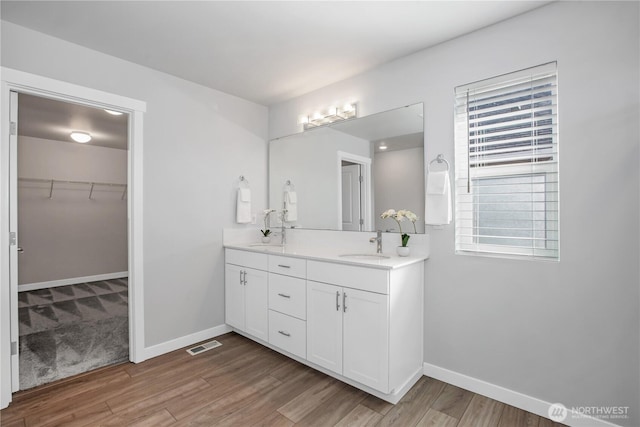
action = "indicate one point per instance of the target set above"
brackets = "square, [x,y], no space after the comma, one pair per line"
[332,255]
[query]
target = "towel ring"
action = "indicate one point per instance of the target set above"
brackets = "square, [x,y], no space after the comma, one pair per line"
[244,181]
[439,159]
[288,186]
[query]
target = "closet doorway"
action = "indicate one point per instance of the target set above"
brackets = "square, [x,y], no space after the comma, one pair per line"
[73,239]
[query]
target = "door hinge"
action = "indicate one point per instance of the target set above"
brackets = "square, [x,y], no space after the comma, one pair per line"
[14,348]
[361,221]
[13,238]
[360,178]
[14,128]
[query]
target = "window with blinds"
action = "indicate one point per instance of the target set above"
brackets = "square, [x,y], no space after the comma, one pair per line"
[506,177]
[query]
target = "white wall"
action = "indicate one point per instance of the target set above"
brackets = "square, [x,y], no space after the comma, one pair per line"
[398,180]
[562,332]
[70,236]
[197,142]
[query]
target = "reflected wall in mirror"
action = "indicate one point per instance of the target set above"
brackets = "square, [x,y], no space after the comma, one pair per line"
[343,176]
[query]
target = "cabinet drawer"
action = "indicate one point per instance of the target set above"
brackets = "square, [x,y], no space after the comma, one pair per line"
[290,266]
[288,333]
[287,295]
[247,259]
[351,276]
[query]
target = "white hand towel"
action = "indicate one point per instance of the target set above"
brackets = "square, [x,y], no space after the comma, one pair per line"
[293,197]
[243,206]
[245,194]
[437,182]
[438,204]
[291,205]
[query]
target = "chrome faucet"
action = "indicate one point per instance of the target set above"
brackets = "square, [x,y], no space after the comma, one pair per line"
[283,230]
[378,240]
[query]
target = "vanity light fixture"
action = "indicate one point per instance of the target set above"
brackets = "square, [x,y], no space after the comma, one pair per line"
[382,146]
[81,137]
[114,113]
[331,115]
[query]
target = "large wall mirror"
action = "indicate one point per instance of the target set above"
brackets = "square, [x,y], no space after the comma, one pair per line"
[343,176]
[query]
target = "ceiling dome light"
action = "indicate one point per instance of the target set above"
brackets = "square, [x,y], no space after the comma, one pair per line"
[81,137]
[113,113]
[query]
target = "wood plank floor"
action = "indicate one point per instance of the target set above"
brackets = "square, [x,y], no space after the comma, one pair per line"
[245,384]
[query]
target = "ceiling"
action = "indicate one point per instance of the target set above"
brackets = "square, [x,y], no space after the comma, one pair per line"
[55,120]
[263,51]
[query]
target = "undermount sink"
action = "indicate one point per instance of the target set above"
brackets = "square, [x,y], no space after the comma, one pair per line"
[364,256]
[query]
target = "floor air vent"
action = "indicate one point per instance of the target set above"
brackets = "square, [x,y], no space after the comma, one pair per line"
[203,347]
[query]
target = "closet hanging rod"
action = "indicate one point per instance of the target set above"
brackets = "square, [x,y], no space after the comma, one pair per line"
[62,181]
[51,182]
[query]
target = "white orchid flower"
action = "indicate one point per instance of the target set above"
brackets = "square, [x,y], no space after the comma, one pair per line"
[390,213]
[411,216]
[400,216]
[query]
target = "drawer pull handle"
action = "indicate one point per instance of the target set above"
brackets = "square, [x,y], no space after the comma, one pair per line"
[337,301]
[286,334]
[284,296]
[284,266]
[344,302]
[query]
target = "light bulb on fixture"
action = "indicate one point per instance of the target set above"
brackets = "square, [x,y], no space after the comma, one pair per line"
[382,147]
[81,137]
[303,120]
[332,115]
[113,113]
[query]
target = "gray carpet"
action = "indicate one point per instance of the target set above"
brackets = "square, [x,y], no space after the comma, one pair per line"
[72,329]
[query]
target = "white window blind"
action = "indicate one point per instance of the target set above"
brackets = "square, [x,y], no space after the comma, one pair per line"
[506,137]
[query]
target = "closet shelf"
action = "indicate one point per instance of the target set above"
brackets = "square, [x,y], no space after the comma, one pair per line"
[91,185]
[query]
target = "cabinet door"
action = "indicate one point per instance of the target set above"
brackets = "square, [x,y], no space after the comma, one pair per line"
[324,325]
[234,296]
[255,303]
[366,338]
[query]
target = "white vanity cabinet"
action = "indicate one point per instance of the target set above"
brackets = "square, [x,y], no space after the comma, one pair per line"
[348,333]
[361,323]
[365,323]
[287,304]
[246,292]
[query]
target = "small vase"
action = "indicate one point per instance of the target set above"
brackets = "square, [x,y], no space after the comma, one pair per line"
[403,251]
[266,239]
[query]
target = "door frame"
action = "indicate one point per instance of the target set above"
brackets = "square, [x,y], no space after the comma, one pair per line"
[352,167]
[22,82]
[365,163]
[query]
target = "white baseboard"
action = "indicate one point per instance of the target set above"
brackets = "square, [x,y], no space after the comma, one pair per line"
[168,346]
[510,397]
[71,281]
